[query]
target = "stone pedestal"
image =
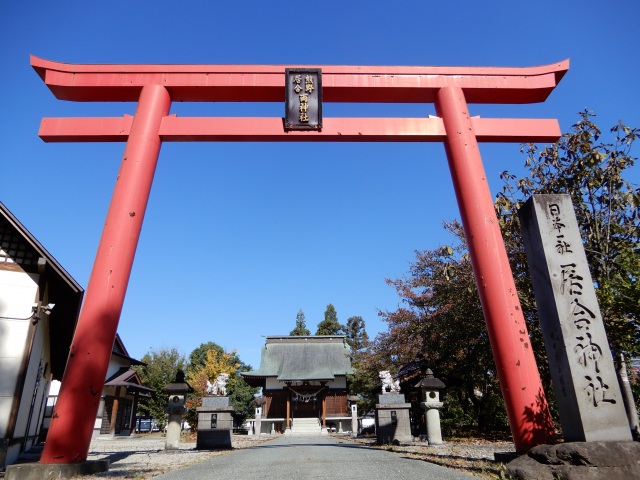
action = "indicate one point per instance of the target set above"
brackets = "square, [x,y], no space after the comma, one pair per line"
[432,414]
[215,423]
[354,420]
[393,423]
[257,426]
[38,471]
[174,428]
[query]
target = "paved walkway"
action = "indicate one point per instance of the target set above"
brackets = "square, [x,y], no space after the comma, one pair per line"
[307,458]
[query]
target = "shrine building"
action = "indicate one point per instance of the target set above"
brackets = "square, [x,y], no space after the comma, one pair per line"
[304,383]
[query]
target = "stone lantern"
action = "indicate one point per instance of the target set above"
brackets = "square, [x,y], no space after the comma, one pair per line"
[177,390]
[430,388]
[353,402]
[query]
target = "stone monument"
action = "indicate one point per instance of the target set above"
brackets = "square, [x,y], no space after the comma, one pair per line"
[353,401]
[594,422]
[393,423]
[584,378]
[215,421]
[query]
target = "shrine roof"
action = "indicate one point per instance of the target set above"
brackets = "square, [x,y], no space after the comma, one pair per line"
[302,358]
[126,377]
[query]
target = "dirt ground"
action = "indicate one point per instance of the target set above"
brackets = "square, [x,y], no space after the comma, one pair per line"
[474,456]
[143,456]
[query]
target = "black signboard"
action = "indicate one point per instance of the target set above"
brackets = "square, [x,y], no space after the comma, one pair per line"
[303,99]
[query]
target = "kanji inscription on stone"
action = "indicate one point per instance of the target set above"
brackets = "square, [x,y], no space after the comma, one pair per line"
[582,369]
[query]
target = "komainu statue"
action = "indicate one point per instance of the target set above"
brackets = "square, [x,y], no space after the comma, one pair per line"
[388,384]
[219,387]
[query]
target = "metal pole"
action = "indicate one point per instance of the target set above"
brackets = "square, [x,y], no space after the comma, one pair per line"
[627,397]
[75,412]
[524,397]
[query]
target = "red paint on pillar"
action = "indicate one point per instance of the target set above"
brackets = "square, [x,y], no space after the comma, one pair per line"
[527,408]
[77,406]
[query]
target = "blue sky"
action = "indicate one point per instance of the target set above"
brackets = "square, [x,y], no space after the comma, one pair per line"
[239,236]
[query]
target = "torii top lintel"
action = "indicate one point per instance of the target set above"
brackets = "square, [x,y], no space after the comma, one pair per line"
[265,83]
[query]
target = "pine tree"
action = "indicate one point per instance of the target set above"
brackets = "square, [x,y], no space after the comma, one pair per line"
[357,337]
[301,326]
[330,324]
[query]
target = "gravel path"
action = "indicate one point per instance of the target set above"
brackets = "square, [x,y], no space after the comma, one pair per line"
[143,456]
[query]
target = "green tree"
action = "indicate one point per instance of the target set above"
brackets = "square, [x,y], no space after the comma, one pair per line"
[161,367]
[356,333]
[242,395]
[301,326]
[330,324]
[210,360]
[198,357]
[590,167]
[360,382]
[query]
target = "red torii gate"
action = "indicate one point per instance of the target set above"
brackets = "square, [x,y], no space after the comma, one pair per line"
[154,87]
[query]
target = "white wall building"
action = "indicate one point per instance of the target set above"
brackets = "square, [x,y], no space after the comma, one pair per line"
[39,307]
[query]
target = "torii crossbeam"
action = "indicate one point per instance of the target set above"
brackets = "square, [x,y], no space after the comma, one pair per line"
[154,87]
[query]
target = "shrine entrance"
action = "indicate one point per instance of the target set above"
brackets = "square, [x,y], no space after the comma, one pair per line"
[305,406]
[302,92]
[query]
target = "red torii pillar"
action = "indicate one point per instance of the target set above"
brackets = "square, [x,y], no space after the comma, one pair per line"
[154,87]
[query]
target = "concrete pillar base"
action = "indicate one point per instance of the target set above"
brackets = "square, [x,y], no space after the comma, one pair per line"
[53,471]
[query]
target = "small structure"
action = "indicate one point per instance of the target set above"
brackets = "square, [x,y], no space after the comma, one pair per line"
[215,423]
[430,387]
[393,424]
[121,394]
[256,423]
[304,382]
[177,391]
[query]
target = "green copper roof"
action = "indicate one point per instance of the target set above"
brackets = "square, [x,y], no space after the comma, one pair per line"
[303,358]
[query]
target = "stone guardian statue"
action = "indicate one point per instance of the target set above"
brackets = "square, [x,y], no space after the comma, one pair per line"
[388,384]
[219,386]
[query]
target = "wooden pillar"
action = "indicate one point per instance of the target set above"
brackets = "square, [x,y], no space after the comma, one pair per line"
[114,412]
[288,419]
[134,409]
[324,409]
